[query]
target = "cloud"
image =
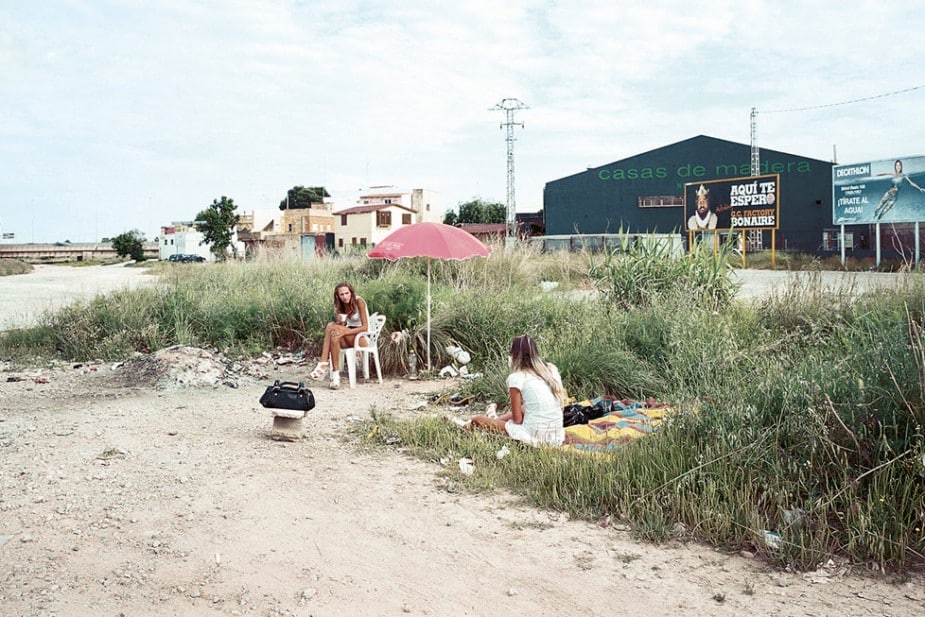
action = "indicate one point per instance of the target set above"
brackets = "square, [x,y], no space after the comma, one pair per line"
[121,115]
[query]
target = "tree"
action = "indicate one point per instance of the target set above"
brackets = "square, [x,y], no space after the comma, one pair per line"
[299,197]
[130,244]
[477,210]
[217,224]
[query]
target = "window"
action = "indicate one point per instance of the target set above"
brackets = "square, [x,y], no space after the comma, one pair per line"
[406,218]
[340,242]
[363,241]
[290,227]
[353,241]
[659,201]
[388,201]
[427,207]
[383,218]
[831,240]
[343,220]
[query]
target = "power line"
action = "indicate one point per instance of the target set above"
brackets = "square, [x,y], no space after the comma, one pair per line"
[866,98]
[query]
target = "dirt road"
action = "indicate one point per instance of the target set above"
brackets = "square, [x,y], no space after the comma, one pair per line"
[170,499]
[23,297]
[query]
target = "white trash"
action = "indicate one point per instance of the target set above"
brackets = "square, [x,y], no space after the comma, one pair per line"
[772,540]
[466,467]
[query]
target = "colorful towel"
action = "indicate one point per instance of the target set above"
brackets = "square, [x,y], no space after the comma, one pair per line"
[627,421]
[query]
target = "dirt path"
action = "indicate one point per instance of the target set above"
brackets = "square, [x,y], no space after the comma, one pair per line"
[167,499]
[23,297]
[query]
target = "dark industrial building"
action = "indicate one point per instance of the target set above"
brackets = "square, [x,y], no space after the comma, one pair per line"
[645,193]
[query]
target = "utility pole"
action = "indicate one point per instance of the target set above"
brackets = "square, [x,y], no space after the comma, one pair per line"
[509,106]
[756,159]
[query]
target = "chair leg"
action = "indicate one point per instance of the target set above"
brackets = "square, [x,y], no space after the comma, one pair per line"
[352,368]
[366,365]
[378,368]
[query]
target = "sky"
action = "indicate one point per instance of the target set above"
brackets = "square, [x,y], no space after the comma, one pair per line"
[126,114]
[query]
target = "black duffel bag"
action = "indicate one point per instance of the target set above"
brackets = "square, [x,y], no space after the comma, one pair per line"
[288,395]
[580,414]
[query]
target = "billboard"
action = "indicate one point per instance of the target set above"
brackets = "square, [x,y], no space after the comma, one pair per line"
[751,202]
[888,191]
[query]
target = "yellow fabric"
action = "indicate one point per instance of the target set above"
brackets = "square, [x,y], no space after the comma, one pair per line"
[629,420]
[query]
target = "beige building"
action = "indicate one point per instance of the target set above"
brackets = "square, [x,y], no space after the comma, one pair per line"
[298,233]
[314,220]
[365,226]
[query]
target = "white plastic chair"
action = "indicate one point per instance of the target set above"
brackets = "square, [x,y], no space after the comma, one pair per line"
[349,355]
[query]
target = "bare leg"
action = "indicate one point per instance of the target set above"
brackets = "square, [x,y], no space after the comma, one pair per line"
[335,353]
[886,202]
[326,346]
[495,425]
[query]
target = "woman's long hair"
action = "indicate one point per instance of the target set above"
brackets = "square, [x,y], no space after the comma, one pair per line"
[526,357]
[339,306]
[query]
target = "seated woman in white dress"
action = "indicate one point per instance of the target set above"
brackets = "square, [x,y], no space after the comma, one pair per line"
[537,396]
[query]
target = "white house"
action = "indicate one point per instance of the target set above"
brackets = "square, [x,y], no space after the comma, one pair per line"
[366,225]
[427,205]
[181,238]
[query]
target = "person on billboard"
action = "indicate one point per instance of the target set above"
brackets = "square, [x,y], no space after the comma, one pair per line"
[703,218]
[889,198]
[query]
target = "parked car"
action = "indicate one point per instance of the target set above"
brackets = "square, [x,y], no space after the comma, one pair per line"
[186,258]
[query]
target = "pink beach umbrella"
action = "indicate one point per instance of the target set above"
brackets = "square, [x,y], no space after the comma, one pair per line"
[431,240]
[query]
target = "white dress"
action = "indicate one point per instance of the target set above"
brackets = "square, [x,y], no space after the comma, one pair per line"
[542,414]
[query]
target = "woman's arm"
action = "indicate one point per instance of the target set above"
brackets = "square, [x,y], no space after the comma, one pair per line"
[909,180]
[364,314]
[517,405]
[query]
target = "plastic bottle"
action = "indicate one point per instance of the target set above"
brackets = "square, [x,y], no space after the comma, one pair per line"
[412,365]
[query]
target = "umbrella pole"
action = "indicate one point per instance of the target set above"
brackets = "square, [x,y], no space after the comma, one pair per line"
[428,314]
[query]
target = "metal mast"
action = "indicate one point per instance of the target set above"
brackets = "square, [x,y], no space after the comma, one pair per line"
[756,159]
[509,106]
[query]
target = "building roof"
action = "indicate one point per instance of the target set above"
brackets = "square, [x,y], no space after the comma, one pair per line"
[369,208]
[699,140]
[484,228]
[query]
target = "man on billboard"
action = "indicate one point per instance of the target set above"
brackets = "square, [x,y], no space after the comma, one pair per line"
[703,218]
[889,198]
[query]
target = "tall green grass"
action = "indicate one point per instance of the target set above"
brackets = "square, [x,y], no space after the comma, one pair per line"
[800,414]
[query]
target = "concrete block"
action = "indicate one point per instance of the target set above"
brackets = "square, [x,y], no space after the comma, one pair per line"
[286,428]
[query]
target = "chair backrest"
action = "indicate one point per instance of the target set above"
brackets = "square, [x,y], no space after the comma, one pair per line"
[376,323]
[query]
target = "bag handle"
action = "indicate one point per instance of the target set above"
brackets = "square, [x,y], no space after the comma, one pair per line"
[289,385]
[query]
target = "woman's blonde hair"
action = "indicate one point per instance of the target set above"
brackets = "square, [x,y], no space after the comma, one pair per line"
[526,357]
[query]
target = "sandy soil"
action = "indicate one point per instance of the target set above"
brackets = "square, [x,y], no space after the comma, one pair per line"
[152,487]
[24,297]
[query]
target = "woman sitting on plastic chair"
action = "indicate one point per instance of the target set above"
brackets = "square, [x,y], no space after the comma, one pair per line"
[351,317]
